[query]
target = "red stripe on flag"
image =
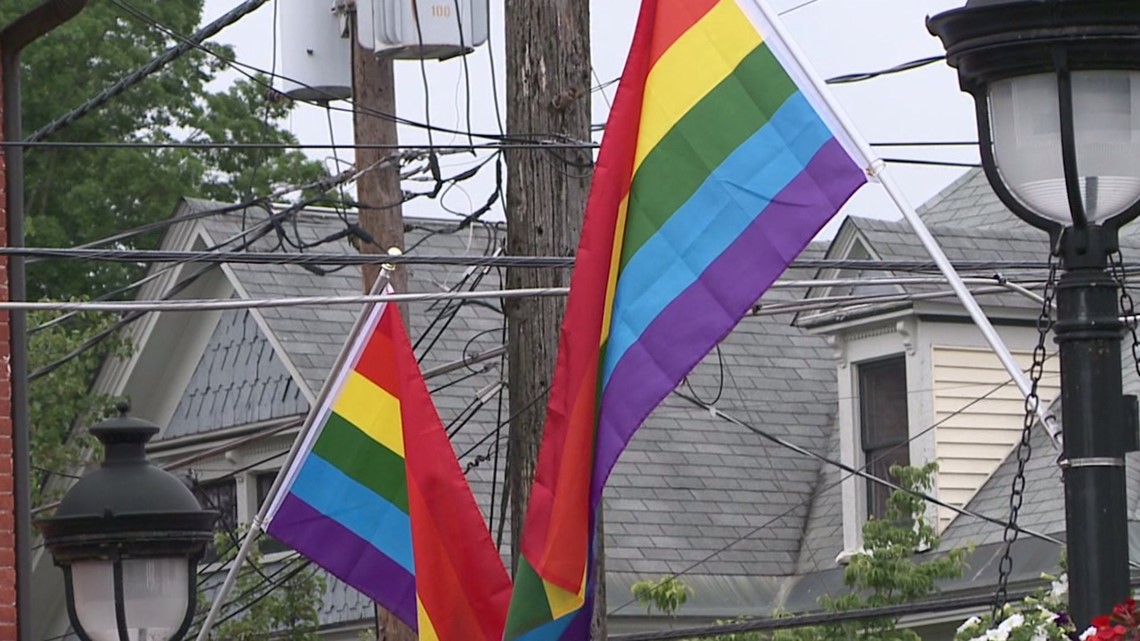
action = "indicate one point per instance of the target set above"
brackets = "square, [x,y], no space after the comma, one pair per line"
[460,578]
[376,362]
[571,411]
[674,19]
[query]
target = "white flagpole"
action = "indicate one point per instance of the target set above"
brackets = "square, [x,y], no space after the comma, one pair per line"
[877,169]
[256,525]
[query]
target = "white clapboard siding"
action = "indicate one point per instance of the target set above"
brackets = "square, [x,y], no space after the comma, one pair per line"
[974,436]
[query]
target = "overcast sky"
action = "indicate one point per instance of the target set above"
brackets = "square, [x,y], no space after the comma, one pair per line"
[838,37]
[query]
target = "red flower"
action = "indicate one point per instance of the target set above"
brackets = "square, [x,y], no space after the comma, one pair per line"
[1111,633]
[1101,622]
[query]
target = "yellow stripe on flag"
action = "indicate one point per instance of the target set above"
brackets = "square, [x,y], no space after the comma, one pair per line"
[694,66]
[427,630]
[372,410]
[615,263]
[563,602]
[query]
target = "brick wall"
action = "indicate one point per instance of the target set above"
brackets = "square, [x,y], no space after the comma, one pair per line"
[7,509]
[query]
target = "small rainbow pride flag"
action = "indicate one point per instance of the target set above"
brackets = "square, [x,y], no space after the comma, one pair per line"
[377,498]
[719,165]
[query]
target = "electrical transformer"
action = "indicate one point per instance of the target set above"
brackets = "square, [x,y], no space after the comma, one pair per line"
[316,59]
[426,29]
[316,54]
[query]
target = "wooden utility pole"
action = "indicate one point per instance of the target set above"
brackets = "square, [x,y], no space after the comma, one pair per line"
[378,190]
[380,195]
[548,96]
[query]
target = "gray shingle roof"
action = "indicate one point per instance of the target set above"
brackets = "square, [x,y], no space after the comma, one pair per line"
[239,380]
[968,202]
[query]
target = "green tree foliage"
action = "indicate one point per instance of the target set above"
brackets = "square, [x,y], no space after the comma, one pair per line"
[76,195]
[888,571]
[286,607]
[666,595]
[63,400]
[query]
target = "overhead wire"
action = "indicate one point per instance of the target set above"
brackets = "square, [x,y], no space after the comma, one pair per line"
[557,262]
[803,451]
[150,68]
[829,486]
[805,3]
[175,220]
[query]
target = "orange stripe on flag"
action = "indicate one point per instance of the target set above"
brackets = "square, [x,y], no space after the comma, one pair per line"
[377,359]
[570,509]
[674,18]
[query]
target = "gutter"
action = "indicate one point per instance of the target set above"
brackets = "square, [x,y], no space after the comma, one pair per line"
[13,39]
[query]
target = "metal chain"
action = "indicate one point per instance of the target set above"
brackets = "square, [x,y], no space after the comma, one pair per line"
[1025,446]
[1127,305]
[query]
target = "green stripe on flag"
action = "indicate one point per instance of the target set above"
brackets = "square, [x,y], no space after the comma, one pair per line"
[529,606]
[729,115]
[364,460]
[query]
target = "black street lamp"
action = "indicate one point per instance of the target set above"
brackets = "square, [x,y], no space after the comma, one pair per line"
[1057,89]
[128,537]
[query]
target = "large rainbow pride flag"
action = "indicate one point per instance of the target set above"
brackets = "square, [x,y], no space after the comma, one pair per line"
[719,164]
[377,498]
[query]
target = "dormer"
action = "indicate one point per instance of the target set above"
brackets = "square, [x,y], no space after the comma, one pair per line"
[916,380]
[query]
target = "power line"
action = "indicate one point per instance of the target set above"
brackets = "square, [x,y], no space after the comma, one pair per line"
[772,624]
[844,478]
[862,474]
[177,305]
[806,3]
[539,144]
[931,163]
[555,262]
[150,68]
[851,78]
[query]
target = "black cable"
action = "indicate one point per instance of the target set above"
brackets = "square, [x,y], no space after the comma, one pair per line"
[150,68]
[433,159]
[452,310]
[543,143]
[944,143]
[195,41]
[178,287]
[860,473]
[860,76]
[466,377]
[324,185]
[842,479]
[870,75]
[772,624]
[720,380]
[805,3]
[537,399]
[498,434]
[230,531]
[533,262]
[295,567]
[466,68]
[931,163]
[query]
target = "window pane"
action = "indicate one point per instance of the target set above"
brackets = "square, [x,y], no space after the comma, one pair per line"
[883,423]
[879,465]
[220,496]
[882,402]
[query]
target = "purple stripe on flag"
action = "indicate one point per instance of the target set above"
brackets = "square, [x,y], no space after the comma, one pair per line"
[698,319]
[347,556]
